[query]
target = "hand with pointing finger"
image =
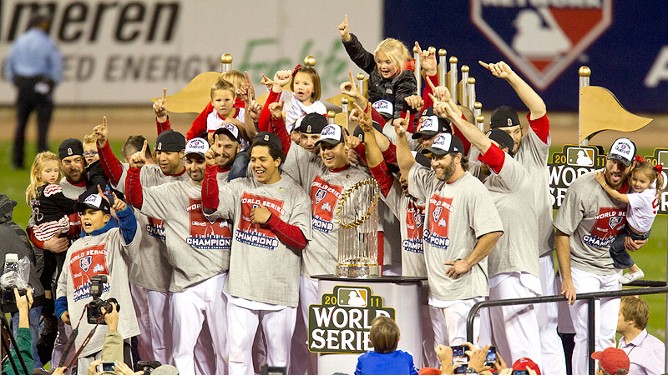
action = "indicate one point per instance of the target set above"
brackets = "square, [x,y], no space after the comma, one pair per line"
[276,109]
[101,131]
[211,155]
[349,87]
[440,92]
[138,159]
[428,62]
[401,124]
[260,215]
[160,107]
[500,69]
[343,29]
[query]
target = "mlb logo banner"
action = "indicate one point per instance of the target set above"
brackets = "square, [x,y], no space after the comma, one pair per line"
[542,38]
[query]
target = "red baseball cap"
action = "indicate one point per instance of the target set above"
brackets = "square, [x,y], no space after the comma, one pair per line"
[612,360]
[521,364]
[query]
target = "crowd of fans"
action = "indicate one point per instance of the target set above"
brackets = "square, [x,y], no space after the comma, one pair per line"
[205,238]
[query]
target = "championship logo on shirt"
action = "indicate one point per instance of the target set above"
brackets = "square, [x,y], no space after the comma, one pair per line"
[437,233]
[206,234]
[414,228]
[609,221]
[255,234]
[540,37]
[84,264]
[156,228]
[324,197]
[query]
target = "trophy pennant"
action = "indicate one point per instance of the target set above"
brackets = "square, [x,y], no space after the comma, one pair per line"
[194,96]
[600,110]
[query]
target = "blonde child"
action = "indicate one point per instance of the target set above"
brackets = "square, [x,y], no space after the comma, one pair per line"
[385,359]
[646,184]
[50,208]
[389,68]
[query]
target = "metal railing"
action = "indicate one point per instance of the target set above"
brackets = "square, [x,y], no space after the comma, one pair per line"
[657,287]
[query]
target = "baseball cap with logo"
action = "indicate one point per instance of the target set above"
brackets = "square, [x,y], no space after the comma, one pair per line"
[613,361]
[197,146]
[229,130]
[502,138]
[312,123]
[623,150]
[266,137]
[70,147]
[93,201]
[331,135]
[384,108]
[503,116]
[432,125]
[521,364]
[445,143]
[170,140]
[359,133]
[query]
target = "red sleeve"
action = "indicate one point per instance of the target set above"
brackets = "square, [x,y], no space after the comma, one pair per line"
[494,158]
[540,126]
[210,198]
[383,177]
[465,141]
[238,103]
[428,102]
[110,164]
[377,117]
[161,127]
[278,128]
[288,234]
[390,155]
[263,122]
[133,191]
[360,149]
[198,126]
[36,242]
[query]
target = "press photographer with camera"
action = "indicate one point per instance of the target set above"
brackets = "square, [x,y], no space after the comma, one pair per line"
[94,280]
[15,241]
[23,336]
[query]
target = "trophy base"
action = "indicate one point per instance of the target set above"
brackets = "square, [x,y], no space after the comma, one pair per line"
[357,270]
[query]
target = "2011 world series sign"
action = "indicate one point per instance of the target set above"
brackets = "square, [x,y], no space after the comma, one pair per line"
[342,321]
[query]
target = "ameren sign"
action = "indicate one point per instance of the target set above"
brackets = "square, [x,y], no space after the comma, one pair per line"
[575,161]
[342,322]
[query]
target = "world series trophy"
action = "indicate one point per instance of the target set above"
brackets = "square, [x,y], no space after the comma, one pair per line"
[357,212]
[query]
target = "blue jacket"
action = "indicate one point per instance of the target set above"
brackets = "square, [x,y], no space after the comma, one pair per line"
[397,362]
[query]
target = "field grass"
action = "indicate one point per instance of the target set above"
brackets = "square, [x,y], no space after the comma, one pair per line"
[651,258]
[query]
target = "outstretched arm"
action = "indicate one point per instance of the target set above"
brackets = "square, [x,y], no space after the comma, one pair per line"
[600,178]
[527,94]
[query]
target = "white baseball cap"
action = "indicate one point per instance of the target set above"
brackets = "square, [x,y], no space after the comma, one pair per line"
[623,150]
[385,108]
[228,129]
[196,146]
[331,134]
[445,143]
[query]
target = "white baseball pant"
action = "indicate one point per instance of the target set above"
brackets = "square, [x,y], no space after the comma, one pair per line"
[144,339]
[189,310]
[308,294]
[277,326]
[552,351]
[606,312]
[514,328]
[299,354]
[449,323]
[205,356]
[161,335]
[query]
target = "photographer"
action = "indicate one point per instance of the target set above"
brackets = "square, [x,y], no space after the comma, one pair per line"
[23,337]
[14,240]
[95,271]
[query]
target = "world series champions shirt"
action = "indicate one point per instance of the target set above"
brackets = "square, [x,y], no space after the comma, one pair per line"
[262,268]
[197,248]
[592,220]
[458,214]
[325,188]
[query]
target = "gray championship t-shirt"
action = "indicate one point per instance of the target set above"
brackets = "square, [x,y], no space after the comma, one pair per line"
[262,268]
[457,215]
[197,248]
[592,220]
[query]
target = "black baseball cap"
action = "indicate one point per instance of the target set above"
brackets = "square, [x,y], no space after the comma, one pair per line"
[93,201]
[359,133]
[502,138]
[312,123]
[445,143]
[70,147]
[504,116]
[266,137]
[229,130]
[169,141]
